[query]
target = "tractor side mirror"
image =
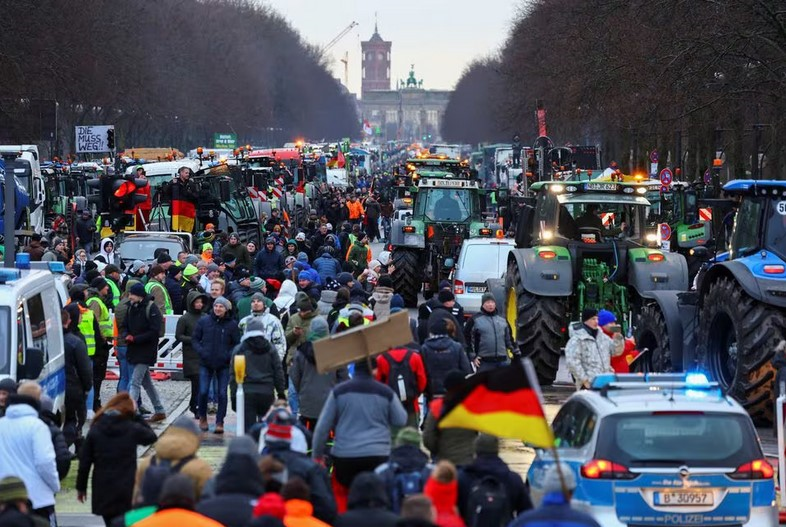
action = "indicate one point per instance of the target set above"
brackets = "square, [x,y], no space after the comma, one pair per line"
[700,252]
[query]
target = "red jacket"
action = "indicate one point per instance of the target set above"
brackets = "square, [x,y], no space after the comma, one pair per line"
[621,363]
[444,496]
[415,364]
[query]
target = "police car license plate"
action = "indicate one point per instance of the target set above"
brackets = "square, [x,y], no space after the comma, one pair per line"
[684,498]
[476,289]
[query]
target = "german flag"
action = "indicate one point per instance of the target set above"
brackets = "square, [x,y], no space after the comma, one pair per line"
[500,402]
[183,214]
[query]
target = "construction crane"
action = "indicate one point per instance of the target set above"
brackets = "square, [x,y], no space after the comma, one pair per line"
[340,36]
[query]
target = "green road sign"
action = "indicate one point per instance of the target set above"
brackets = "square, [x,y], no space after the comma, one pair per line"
[224,140]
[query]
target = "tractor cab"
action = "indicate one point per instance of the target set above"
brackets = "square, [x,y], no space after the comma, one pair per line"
[760,223]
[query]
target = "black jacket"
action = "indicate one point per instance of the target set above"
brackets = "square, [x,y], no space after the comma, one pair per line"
[367,503]
[144,348]
[315,475]
[62,454]
[432,310]
[441,354]
[237,486]
[79,372]
[264,371]
[110,448]
[489,464]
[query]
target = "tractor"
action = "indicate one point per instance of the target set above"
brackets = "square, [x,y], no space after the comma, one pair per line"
[730,324]
[580,244]
[446,210]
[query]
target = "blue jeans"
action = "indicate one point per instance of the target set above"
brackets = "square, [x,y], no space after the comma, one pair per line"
[125,369]
[140,378]
[294,406]
[206,375]
[91,394]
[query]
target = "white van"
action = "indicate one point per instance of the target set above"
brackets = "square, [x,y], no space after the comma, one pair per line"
[31,340]
[31,178]
[479,260]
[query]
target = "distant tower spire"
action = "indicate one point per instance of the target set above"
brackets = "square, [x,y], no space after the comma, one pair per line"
[375,23]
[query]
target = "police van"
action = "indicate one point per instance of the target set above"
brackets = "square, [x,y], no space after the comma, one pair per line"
[31,334]
[661,449]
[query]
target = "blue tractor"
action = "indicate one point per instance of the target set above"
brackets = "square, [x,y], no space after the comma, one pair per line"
[22,205]
[731,321]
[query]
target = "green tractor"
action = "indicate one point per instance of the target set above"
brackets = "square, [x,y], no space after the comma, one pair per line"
[446,210]
[583,244]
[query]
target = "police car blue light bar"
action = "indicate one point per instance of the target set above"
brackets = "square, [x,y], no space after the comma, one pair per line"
[695,380]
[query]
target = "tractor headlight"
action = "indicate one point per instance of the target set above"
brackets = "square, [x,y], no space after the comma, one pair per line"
[651,238]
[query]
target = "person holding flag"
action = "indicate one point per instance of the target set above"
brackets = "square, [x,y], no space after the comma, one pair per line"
[184,198]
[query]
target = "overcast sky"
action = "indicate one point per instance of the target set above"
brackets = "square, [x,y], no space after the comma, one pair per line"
[439,36]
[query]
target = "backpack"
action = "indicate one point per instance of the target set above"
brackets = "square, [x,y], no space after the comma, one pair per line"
[401,378]
[160,469]
[488,504]
[406,484]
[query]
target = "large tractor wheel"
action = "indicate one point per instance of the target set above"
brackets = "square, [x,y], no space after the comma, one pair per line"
[538,326]
[737,336]
[651,333]
[405,276]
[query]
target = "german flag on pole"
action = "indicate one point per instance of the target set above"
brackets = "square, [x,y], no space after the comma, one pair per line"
[503,402]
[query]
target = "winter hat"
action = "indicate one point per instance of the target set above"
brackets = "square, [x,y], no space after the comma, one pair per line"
[279,427]
[486,297]
[270,504]
[223,302]
[186,423]
[258,296]
[305,304]
[373,264]
[192,259]
[254,328]
[257,284]
[211,268]
[438,326]
[178,491]
[345,278]
[289,260]
[408,436]
[396,302]
[138,290]
[207,247]
[292,242]
[385,281]
[552,481]
[173,271]
[445,296]
[12,489]
[190,270]
[111,268]
[163,258]
[302,257]
[229,258]
[92,275]
[588,313]
[445,284]
[318,329]
[234,235]
[606,317]
[244,446]
[301,237]
[136,266]
[8,385]
[454,378]
[486,444]
[98,283]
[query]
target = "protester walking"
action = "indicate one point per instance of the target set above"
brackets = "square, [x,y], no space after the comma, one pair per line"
[183,333]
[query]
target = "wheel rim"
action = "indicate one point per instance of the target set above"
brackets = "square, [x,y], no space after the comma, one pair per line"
[511,312]
[722,350]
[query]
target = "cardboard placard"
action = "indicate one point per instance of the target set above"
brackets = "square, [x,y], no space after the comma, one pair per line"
[361,342]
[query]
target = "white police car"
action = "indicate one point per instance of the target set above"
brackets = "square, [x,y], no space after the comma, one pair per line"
[661,449]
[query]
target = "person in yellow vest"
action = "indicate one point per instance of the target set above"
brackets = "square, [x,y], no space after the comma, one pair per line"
[112,275]
[96,302]
[88,327]
[156,288]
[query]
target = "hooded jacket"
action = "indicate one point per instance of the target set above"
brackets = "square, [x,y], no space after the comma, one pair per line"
[264,372]
[184,331]
[144,348]
[173,445]
[444,497]
[368,504]
[327,267]
[300,513]
[492,465]
[110,449]
[440,355]
[238,485]
[214,339]
[312,387]
[381,299]
[27,452]
[286,296]
[293,341]
[268,264]
[315,475]
[588,356]
[110,258]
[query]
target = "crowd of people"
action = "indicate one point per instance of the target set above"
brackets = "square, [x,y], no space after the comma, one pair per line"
[347,447]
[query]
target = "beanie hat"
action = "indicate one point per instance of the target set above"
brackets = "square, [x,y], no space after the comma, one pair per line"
[98,283]
[301,237]
[233,235]
[211,268]
[8,385]
[90,265]
[174,271]
[279,427]
[302,257]
[244,446]
[408,436]
[207,247]
[438,326]
[396,301]
[385,281]
[163,258]
[373,264]
[178,491]
[453,378]
[92,275]
[12,489]
[289,260]
[305,304]
[292,242]
[445,296]
[605,317]
[192,259]
[229,258]
[445,284]
[258,296]
[136,266]
[344,278]
[270,504]
[185,423]
[553,482]
[223,302]
[138,290]
[254,328]
[190,270]
[486,444]
[486,297]
[318,329]
[588,313]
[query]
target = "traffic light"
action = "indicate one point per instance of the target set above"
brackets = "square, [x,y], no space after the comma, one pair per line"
[124,199]
[110,139]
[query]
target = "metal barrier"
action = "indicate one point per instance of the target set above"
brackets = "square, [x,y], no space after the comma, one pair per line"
[170,351]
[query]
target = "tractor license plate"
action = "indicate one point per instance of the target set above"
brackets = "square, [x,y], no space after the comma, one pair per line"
[476,289]
[684,498]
